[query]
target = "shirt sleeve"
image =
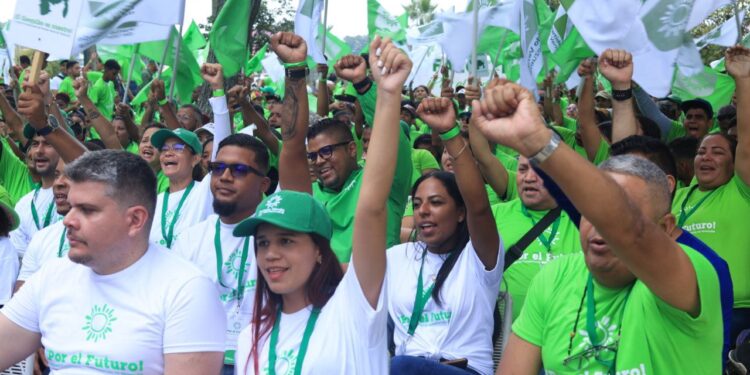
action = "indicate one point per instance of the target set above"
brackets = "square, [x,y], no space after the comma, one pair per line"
[649,109]
[30,263]
[530,323]
[195,304]
[23,308]
[742,187]
[222,124]
[14,175]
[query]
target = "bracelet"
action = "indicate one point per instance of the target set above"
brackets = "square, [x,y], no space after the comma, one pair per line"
[620,95]
[362,85]
[295,64]
[296,73]
[460,152]
[218,93]
[450,134]
[163,102]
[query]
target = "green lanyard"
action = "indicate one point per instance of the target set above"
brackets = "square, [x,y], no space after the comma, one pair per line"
[591,321]
[420,300]
[302,347]
[685,215]
[35,215]
[547,241]
[62,242]
[169,234]
[220,260]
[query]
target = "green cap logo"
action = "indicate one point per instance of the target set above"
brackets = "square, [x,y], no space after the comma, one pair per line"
[99,323]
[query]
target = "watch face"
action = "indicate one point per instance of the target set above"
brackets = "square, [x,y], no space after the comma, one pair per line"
[52,121]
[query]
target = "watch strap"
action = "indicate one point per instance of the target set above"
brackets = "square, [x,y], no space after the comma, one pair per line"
[546,152]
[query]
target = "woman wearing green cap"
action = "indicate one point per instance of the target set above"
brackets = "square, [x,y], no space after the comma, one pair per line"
[8,257]
[308,317]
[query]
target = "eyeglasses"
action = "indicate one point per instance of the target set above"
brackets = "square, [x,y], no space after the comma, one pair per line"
[178,148]
[325,152]
[603,354]
[236,170]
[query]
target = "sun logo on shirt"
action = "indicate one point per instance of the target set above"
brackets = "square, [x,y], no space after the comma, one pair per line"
[606,331]
[232,265]
[99,323]
[285,363]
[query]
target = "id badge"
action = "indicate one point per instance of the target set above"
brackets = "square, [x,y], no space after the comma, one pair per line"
[237,320]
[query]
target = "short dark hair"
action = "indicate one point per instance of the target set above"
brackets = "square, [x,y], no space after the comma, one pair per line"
[71,64]
[111,65]
[651,148]
[129,179]
[684,147]
[424,139]
[194,108]
[648,127]
[63,63]
[251,143]
[24,59]
[331,127]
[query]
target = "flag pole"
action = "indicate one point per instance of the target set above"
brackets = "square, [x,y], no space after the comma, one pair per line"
[737,20]
[130,74]
[176,62]
[325,28]
[474,38]
[164,54]
[497,55]
[420,64]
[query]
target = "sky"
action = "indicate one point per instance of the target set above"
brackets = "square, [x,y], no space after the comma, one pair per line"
[346,17]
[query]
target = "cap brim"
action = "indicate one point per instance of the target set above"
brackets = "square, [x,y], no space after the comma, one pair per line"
[161,136]
[15,220]
[249,226]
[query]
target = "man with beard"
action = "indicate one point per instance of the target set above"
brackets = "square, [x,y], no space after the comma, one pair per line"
[238,181]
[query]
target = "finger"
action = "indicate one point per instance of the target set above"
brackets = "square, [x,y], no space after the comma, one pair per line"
[387,58]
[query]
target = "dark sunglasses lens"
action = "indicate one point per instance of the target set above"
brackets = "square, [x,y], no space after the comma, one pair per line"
[326,152]
[240,170]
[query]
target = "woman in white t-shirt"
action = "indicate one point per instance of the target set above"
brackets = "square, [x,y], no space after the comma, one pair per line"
[308,318]
[9,263]
[442,289]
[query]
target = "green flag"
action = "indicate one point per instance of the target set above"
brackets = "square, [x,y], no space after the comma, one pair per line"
[188,70]
[380,22]
[335,47]
[228,35]
[710,85]
[254,64]
[123,55]
[565,45]
[194,39]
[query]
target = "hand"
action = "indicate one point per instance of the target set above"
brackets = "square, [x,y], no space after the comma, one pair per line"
[473,89]
[509,115]
[616,65]
[237,95]
[351,68]
[587,67]
[738,62]
[123,110]
[157,88]
[437,113]
[31,105]
[289,47]
[81,85]
[446,91]
[390,66]
[213,75]
[322,69]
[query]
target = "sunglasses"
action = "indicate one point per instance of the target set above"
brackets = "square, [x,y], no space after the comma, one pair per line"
[324,152]
[217,168]
[176,147]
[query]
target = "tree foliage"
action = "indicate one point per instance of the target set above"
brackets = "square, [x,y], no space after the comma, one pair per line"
[421,11]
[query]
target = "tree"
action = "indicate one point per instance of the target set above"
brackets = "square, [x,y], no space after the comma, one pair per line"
[421,11]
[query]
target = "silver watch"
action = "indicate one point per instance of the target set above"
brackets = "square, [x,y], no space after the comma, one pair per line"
[545,152]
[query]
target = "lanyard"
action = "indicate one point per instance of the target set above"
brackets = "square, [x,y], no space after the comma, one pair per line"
[220,260]
[591,321]
[547,241]
[35,215]
[302,347]
[62,242]
[685,215]
[169,234]
[420,300]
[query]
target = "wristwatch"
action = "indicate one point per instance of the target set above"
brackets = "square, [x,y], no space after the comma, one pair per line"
[297,73]
[52,124]
[545,153]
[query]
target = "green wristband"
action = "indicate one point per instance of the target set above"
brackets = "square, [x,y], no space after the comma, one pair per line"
[450,134]
[295,65]
[218,93]
[163,101]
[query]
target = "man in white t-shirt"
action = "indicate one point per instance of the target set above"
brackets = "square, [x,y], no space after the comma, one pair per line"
[121,305]
[238,181]
[50,242]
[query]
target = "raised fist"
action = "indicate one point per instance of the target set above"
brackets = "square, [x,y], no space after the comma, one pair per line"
[289,47]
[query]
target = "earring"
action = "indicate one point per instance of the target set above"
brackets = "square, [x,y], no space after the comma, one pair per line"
[320,259]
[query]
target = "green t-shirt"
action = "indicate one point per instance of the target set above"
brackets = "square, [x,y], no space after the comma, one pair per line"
[721,222]
[677,130]
[14,175]
[510,162]
[341,205]
[102,94]
[132,148]
[512,224]
[655,338]
[421,160]
[419,128]
[162,182]
[569,137]
[66,87]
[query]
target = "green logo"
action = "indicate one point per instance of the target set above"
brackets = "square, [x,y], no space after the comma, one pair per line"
[44,6]
[232,265]
[665,23]
[99,323]
[285,364]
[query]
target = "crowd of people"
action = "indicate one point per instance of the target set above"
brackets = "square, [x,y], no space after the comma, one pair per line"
[385,230]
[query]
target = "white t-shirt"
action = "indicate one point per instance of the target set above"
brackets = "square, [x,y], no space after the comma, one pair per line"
[121,323]
[47,244]
[350,337]
[54,82]
[196,208]
[462,326]
[44,201]
[196,244]
[8,269]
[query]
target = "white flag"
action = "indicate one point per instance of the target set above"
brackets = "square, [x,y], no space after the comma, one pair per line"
[306,25]
[532,61]
[724,35]
[426,34]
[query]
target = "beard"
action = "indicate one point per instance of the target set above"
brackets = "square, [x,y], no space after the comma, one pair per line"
[80,259]
[224,208]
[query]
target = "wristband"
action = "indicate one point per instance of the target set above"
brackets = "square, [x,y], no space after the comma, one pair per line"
[295,64]
[621,95]
[450,134]
[296,73]
[218,93]
[163,102]
[362,85]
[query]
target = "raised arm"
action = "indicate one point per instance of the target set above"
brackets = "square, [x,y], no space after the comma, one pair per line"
[12,118]
[149,108]
[438,113]
[323,96]
[637,240]
[213,74]
[238,95]
[100,123]
[648,108]
[590,134]
[369,238]
[738,66]
[166,111]
[294,173]
[617,66]
[123,110]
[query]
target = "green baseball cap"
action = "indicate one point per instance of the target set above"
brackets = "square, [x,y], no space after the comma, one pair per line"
[292,210]
[161,136]
[7,208]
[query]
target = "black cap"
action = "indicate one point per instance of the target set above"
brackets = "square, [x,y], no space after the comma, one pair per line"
[698,103]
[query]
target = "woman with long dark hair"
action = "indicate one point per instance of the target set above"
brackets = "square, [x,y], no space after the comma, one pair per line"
[308,318]
[442,288]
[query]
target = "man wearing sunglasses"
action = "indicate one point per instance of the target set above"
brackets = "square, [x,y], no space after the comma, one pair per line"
[238,182]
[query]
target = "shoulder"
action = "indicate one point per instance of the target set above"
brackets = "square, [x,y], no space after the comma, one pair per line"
[171,267]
